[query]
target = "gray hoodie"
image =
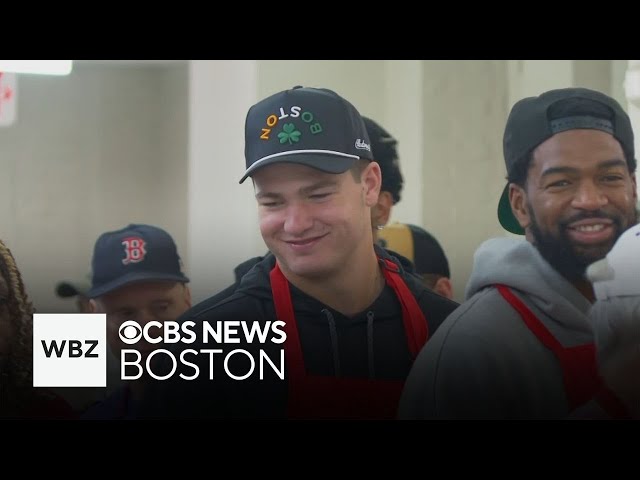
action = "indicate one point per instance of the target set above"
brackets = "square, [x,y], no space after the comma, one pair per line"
[483,362]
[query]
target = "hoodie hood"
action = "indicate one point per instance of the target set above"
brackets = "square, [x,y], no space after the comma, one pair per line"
[256,282]
[517,264]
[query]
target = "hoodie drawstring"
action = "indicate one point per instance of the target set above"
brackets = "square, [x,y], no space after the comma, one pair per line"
[335,350]
[333,333]
[372,372]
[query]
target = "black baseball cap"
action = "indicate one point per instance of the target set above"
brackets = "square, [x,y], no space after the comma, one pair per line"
[417,245]
[315,127]
[135,253]
[70,288]
[531,122]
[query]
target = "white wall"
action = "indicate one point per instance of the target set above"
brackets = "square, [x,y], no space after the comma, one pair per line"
[404,119]
[465,107]
[532,77]
[359,81]
[89,152]
[222,214]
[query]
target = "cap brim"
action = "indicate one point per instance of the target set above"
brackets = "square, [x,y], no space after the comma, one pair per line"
[135,277]
[505,214]
[324,162]
[70,289]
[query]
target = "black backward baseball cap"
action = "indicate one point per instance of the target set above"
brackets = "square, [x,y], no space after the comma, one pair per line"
[530,123]
[71,288]
[315,127]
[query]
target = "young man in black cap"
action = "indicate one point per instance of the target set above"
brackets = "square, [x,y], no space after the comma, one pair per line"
[137,275]
[353,319]
[521,346]
[383,149]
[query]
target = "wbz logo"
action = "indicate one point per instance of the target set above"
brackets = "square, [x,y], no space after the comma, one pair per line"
[74,348]
[69,350]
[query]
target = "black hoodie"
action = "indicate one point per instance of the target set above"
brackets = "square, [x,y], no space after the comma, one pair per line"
[242,269]
[369,345]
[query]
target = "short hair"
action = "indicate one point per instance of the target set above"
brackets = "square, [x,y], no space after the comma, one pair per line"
[383,147]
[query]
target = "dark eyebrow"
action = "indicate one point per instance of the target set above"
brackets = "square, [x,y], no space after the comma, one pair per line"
[260,195]
[612,163]
[601,166]
[553,170]
[161,300]
[302,191]
[318,186]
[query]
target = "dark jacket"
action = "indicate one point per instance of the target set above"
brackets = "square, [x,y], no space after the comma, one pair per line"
[119,405]
[372,344]
[245,267]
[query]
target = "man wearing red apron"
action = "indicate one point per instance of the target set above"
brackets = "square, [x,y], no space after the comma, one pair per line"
[521,346]
[354,320]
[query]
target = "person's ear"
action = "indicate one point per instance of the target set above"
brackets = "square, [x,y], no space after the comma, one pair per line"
[187,295]
[444,287]
[371,179]
[381,211]
[519,206]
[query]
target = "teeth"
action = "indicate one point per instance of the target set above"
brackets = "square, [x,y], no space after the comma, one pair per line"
[590,228]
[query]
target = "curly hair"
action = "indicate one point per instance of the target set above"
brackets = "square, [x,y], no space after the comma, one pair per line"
[16,380]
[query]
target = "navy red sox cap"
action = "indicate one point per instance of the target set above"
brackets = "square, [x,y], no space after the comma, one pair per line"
[135,253]
[315,127]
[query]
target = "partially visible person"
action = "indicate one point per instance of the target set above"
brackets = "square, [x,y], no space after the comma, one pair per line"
[137,275]
[423,250]
[352,318]
[384,149]
[385,152]
[76,290]
[616,319]
[522,346]
[18,398]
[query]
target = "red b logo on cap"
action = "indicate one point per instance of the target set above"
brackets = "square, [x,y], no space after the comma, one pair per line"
[134,250]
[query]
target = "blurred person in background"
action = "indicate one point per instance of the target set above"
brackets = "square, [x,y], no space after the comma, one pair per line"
[137,275]
[18,398]
[76,290]
[424,251]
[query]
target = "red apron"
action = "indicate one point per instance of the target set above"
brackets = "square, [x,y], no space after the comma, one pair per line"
[582,382]
[316,396]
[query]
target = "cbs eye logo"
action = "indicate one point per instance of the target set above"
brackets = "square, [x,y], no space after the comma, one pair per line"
[130,332]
